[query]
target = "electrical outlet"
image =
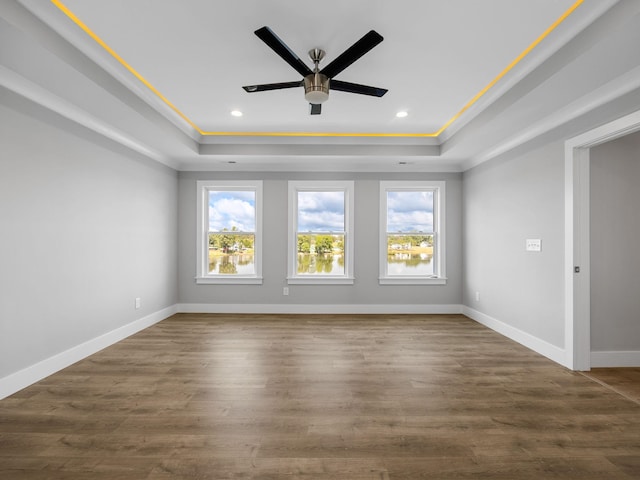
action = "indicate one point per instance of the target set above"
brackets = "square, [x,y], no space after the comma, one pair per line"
[477,296]
[285,291]
[533,245]
[138,302]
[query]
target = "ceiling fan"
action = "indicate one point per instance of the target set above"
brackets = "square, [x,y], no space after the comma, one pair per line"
[317,82]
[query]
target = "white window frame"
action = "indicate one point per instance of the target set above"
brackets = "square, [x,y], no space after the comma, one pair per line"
[296,186]
[203,188]
[439,277]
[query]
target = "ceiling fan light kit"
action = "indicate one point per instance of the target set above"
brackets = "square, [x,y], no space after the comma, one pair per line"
[316,88]
[317,83]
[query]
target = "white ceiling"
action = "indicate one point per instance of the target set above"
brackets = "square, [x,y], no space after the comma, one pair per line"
[186,62]
[435,57]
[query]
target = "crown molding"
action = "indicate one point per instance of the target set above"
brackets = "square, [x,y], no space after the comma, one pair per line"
[606,93]
[25,88]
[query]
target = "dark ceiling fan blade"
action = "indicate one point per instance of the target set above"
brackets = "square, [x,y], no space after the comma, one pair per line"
[315,108]
[357,88]
[271,39]
[272,86]
[353,53]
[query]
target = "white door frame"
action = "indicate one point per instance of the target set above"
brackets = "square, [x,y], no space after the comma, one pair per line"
[577,285]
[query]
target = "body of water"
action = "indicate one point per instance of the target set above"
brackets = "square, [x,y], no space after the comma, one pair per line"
[409,264]
[398,264]
[325,264]
[234,264]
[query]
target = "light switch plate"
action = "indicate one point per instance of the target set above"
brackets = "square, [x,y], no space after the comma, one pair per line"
[534,245]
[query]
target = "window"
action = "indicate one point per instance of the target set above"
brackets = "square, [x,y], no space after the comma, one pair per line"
[412,233]
[320,232]
[229,232]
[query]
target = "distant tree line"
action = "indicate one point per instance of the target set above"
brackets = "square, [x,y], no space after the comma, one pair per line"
[320,244]
[228,241]
[415,240]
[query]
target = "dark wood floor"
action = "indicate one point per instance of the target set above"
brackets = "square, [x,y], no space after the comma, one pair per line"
[625,381]
[318,397]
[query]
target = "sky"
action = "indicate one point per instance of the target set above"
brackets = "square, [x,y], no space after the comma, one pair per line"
[228,209]
[409,211]
[321,211]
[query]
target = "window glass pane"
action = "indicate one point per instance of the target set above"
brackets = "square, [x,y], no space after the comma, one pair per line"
[231,253]
[320,254]
[321,212]
[320,226]
[410,211]
[232,223]
[410,255]
[409,220]
[232,210]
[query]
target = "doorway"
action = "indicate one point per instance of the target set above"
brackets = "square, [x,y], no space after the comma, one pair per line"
[577,236]
[615,229]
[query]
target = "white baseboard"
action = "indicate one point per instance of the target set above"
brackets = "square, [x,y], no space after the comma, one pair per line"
[546,349]
[612,359]
[318,309]
[30,375]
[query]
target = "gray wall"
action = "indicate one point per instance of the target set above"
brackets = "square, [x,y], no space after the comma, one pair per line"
[615,245]
[506,201]
[365,291]
[85,228]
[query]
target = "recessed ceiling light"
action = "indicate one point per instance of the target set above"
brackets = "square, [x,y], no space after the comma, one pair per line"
[236,113]
[402,114]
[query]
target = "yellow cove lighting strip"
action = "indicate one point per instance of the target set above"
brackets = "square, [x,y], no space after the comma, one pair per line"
[466,107]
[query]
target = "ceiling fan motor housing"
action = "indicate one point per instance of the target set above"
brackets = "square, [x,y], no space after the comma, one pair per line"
[316,88]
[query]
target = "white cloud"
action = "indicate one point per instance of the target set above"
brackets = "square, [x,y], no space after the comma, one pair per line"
[322,221]
[410,211]
[408,201]
[232,209]
[320,211]
[416,221]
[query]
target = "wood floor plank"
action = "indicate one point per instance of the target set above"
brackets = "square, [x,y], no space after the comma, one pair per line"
[203,396]
[625,381]
[62,468]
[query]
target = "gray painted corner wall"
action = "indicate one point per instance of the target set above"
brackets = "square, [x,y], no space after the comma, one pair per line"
[365,291]
[85,230]
[507,201]
[615,244]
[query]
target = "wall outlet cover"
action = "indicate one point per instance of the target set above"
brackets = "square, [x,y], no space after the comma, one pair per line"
[534,245]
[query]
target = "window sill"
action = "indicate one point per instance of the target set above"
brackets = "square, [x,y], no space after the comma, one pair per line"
[412,281]
[229,280]
[324,280]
